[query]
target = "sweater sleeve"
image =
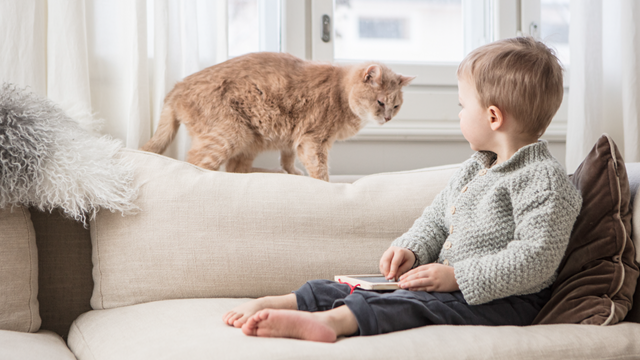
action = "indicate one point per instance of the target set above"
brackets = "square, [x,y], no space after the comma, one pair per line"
[428,233]
[543,224]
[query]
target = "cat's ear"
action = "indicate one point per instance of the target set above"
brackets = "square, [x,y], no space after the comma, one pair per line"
[405,80]
[373,74]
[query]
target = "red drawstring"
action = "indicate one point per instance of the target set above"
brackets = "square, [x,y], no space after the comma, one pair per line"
[349,285]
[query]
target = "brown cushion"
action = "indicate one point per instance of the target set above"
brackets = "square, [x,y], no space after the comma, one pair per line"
[598,274]
[18,271]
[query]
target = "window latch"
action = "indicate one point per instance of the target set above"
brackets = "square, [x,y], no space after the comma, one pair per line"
[326,28]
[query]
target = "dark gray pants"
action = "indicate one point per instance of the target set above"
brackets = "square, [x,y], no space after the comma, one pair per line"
[383,312]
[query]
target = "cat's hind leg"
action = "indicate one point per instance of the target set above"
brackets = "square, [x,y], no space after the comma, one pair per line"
[243,163]
[314,156]
[209,152]
[287,161]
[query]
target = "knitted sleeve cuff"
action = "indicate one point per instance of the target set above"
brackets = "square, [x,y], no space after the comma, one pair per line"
[471,289]
[416,248]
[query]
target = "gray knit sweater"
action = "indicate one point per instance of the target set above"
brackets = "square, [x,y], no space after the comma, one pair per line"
[504,229]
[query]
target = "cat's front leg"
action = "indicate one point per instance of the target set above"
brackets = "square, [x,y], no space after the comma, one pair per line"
[287,161]
[314,156]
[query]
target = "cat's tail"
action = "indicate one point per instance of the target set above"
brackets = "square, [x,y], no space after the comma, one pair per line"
[167,129]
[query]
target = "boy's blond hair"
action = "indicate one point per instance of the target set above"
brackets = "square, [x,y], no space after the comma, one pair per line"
[521,76]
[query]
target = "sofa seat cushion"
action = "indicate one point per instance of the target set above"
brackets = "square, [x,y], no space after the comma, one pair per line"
[33,346]
[193,329]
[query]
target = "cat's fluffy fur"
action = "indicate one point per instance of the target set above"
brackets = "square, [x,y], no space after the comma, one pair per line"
[262,101]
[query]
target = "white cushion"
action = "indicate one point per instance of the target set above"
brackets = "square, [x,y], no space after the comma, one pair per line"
[203,233]
[193,329]
[19,310]
[37,346]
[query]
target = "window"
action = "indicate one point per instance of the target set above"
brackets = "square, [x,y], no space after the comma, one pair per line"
[399,31]
[427,39]
[254,25]
[554,20]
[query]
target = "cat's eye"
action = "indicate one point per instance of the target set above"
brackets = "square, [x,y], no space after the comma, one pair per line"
[395,107]
[380,103]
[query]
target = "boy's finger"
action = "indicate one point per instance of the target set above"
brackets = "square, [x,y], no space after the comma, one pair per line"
[395,264]
[416,283]
[384,262]
[408,273]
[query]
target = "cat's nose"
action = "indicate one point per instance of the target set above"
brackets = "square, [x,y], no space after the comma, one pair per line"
[387,118]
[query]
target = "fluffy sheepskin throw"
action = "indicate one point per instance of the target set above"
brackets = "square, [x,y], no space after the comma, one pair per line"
[47,160]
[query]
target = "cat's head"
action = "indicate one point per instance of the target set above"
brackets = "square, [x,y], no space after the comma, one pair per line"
[376,93]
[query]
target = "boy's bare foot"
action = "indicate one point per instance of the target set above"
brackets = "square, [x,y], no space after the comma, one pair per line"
[239,315]
[289,324]
[324,326]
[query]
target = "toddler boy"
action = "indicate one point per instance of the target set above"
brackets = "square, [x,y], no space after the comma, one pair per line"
[486,251]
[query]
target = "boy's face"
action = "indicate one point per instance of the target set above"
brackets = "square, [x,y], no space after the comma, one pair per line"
[474,120]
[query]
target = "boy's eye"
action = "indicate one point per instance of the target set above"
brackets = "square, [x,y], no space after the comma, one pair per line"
[380,103]
[459,104]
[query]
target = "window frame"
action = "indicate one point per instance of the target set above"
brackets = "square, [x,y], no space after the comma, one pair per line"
[427,113]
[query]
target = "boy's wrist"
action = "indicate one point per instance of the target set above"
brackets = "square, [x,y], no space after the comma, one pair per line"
[416,262]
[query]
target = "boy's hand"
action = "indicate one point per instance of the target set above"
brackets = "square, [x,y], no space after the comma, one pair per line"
[430,277]
[396,261]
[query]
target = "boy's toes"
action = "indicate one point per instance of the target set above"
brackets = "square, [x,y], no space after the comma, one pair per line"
[234,319]
[227,316]
[239,321]
[230,320]
[250,327]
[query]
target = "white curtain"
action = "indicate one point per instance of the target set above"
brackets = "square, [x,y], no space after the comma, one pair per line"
[604,93]
[115,58]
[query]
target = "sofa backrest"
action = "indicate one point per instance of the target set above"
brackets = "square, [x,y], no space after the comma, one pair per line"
[65,266]
[207,234]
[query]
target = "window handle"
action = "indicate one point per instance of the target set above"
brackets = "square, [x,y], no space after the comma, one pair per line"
[533,29]
[326,28]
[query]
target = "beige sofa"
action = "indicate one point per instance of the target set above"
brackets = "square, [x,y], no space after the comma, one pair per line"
[155,285]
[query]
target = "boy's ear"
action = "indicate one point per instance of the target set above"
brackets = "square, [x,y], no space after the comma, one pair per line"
[496,117]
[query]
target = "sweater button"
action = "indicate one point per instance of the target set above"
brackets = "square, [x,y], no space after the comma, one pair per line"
[482,172]
[445,262]
[447,245]
[453,210]
[451,229]
[464,189]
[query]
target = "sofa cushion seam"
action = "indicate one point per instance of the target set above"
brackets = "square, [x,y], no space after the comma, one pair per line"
[83,340]
[24,217]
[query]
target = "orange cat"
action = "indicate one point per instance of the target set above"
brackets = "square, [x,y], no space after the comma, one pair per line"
[275,101]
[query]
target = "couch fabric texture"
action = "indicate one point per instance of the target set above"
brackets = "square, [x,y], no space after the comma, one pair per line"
[598,274]
[197,230]
[18,271]
[193,329]
[43,345]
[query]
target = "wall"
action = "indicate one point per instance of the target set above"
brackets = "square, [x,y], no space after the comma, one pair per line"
[361,157]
